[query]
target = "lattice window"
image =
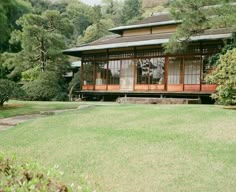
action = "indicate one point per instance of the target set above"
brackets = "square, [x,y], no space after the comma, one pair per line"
[150,53]
[174,70]
[94,57]
[101,73]
[192,70]
[157,70]
[114,72]
[121,55]
[88,73]
[142,67]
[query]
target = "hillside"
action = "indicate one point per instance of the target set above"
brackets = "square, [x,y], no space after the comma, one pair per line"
[153,3]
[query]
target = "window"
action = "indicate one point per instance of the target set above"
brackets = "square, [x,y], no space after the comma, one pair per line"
[192,70]
[157,70]
[101,73]
[88,71]
[114,72]
[174,70]
[142,67]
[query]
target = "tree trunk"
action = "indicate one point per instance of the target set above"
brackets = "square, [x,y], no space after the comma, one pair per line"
[1,103]
[42,55]
[71,90]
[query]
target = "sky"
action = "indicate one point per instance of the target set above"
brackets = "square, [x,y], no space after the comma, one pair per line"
[92,2]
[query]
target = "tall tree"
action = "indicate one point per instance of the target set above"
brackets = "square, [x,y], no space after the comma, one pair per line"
[112,9]
[42,38]
[10,11]
[40,6]
[81,16]
[131,11]
[98,29]
[198,16]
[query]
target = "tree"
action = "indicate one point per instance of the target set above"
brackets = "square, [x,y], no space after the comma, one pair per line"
[230,44]
[225,77]
[131,11]
[8,89]
[96,31]
[198,16]
[81,16]
[10,11]
[3,70]
[39,6]
[45,88]
[112,9]
[42,38]
[75,83]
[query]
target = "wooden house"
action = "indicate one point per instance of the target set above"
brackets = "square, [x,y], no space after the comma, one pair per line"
[133,61]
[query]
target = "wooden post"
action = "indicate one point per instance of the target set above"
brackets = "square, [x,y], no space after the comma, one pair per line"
[149,75]
[82,74]
[201,72]
[182,73]
[94,75]
[201,66]
[135,68]
[166,72]
[107,69]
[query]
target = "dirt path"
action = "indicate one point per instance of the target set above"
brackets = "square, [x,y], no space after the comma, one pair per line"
[7,123]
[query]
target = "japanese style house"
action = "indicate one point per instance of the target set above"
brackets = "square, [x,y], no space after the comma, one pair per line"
[133,61]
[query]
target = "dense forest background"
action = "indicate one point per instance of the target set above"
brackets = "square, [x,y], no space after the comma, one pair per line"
[33,34]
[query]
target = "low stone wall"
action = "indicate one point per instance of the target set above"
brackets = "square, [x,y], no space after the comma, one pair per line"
[141,100]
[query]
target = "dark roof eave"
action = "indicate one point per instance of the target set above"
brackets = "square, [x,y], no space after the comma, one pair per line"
[72,53]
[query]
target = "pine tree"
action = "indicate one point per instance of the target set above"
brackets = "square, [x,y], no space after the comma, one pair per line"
[198,16]
[42,38]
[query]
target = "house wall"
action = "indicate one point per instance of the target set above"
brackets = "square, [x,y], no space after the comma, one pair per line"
[148,69]
[133,32]
[164,29]
[150,30]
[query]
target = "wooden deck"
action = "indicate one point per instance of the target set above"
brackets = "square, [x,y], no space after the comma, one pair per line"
[145,93]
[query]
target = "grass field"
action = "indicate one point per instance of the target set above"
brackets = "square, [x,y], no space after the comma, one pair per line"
[128,148]
[14,108]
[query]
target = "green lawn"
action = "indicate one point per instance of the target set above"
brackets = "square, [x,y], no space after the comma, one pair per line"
[127,148]
[14,108]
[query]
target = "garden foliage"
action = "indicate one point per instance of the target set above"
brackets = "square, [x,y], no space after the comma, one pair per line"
[22,177]
[225,77]
[8,89]
[45,88]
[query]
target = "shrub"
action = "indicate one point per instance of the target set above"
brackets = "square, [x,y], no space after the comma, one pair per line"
[225,77]
[45,88]
[9,89]
[22,177]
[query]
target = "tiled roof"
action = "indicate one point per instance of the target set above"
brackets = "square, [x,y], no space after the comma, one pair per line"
[145,40]
[120,39]
[111,39]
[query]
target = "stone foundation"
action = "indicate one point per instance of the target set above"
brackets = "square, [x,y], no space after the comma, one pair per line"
[141,100]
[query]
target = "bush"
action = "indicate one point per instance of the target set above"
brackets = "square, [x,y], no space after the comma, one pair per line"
[225,77]
[22,177]
[9,89]
[45,88]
